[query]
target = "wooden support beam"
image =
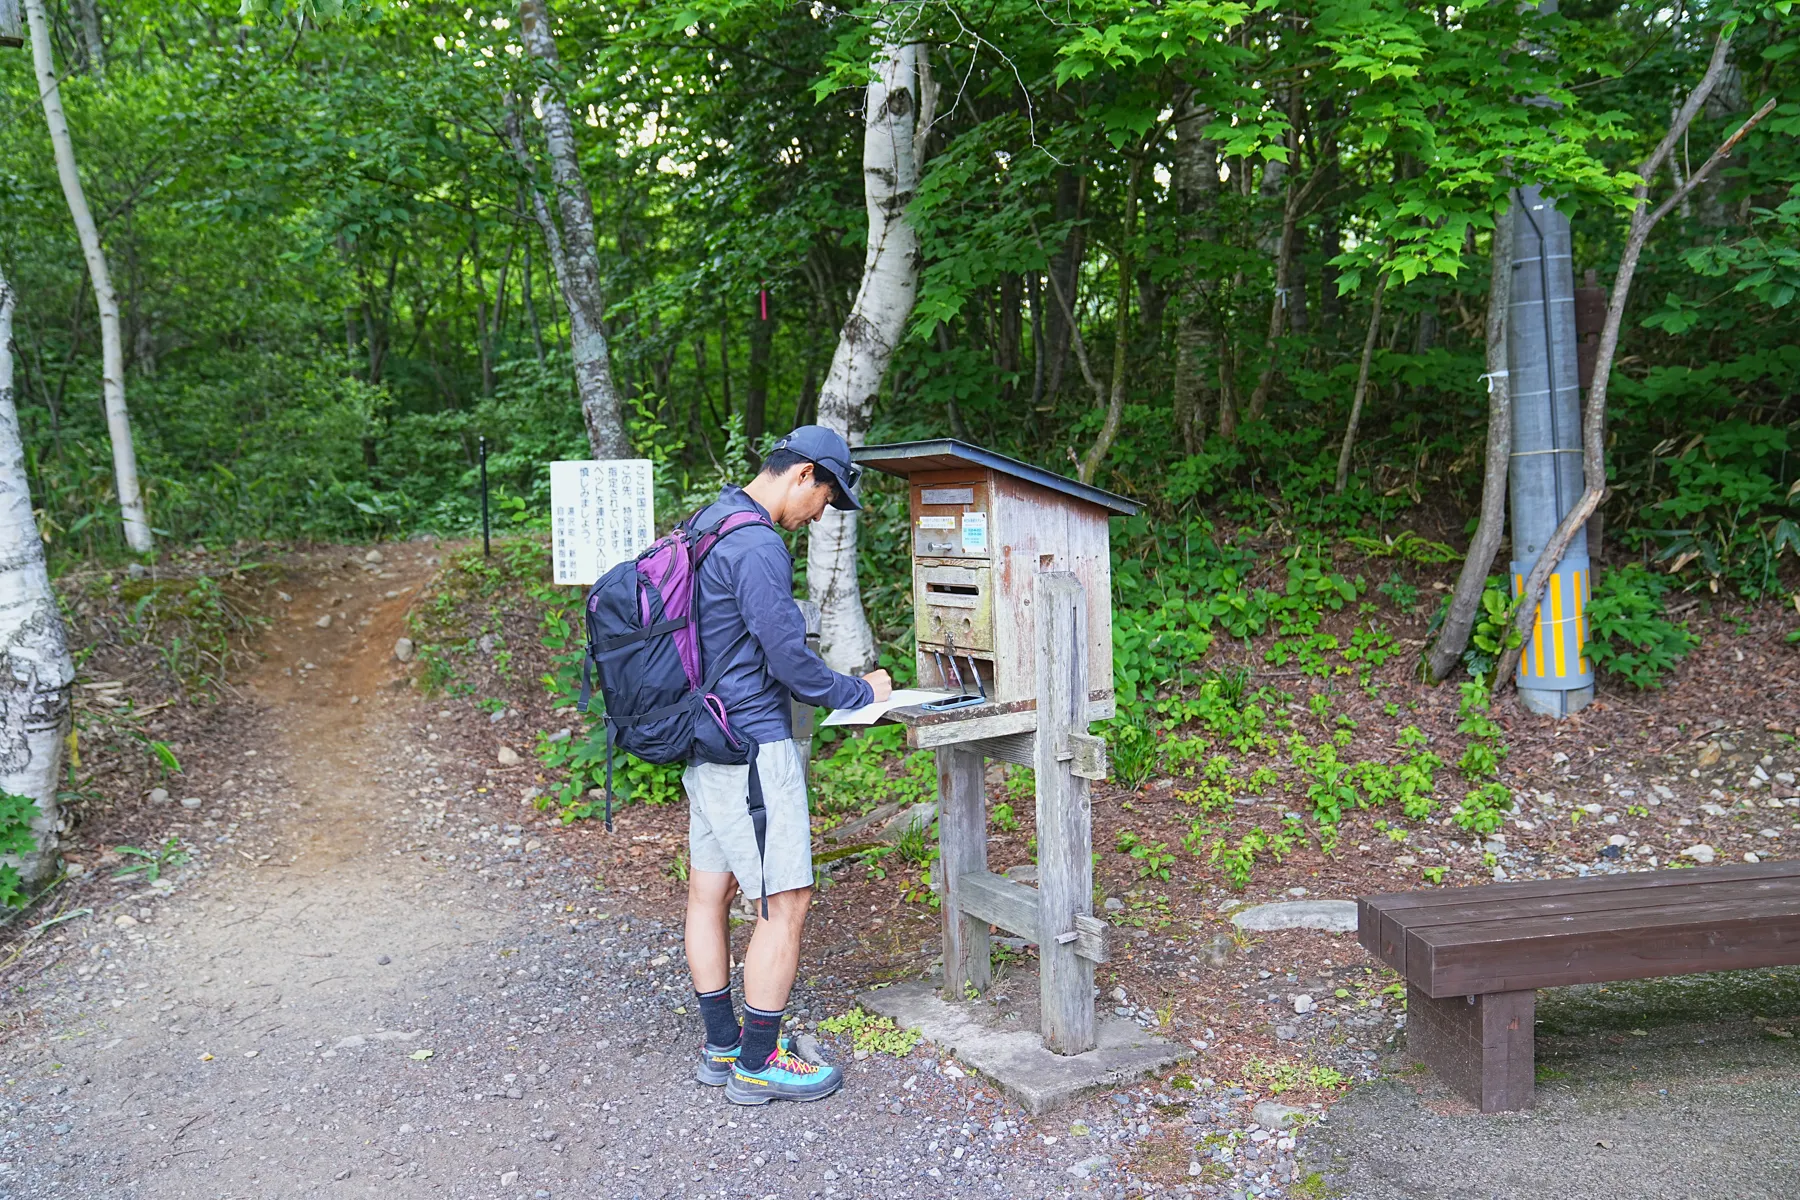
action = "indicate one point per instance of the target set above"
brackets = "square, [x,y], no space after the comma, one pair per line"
[12,29]
[1065,816]
[1013,907]
[962,855]
[928,731]
[1019,749]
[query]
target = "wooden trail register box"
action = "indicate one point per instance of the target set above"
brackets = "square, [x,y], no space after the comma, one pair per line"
[1012,605]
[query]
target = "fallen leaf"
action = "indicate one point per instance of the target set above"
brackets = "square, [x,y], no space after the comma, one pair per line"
[422,1055]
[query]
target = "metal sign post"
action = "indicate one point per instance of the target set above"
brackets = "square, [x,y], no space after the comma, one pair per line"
[486,544]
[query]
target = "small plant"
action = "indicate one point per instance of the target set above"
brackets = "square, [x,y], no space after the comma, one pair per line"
[1003,817]
[875,1035]
[1404,595]
[1484,808]
[1432,875]
[1153,861]
[16,815]
[151,863]
[1630,637]
[1493,633]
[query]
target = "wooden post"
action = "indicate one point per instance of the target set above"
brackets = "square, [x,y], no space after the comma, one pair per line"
[1065,816]
[12,29]
[1480,1046]
[962,850]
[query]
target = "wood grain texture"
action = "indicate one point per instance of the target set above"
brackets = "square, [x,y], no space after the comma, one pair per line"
[1480,1046]
[1014,907]
[1035,530]
[962,852]
[1551,933]
[1064,812]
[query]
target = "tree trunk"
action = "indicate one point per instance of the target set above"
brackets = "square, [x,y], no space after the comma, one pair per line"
[756,385]
[1465,601]
[36,672]
[866,345]
[118,419]
[1115,406]
[87,13]
[574,251]
[1197,186]
[1362,385]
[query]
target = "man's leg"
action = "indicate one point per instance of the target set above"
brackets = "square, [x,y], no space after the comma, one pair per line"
[708,928]
[774,954]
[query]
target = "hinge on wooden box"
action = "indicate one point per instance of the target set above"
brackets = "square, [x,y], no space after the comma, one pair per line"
[1086,755]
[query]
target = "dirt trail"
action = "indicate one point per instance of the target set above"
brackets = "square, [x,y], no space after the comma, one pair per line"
[270,960]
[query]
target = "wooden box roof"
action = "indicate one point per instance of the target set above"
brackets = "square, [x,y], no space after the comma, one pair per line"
[948,454]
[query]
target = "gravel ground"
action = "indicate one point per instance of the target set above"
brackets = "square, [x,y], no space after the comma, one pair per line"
[375,978]
[1665,1089]
[383,972]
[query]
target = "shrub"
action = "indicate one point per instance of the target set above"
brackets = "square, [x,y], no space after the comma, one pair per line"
[1629,636]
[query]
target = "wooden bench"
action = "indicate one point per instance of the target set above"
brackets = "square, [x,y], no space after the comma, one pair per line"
[1473,958]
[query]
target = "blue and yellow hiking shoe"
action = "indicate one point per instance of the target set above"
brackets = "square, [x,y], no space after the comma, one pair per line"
[716,1063]
[786,1077]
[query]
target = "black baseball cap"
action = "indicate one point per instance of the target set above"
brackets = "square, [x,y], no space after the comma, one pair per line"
[827,451]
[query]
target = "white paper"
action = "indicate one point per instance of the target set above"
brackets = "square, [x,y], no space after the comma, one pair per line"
[974,532]
[602,513]
[868,714]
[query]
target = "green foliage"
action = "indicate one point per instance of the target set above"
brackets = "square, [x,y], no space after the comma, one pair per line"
[151,863]
[1628,634]
[16,838]
[1493,633]
[872,1034]
[859,775]
[581,795]
[1484,808]
[1153,859]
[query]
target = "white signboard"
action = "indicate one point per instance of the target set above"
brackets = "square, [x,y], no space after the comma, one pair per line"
[601,514]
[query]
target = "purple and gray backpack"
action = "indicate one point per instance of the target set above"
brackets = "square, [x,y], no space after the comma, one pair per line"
[643,649]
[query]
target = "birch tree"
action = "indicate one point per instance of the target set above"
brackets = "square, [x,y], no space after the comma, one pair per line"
[893,117]
[36,672]
[112,346]
[574,250]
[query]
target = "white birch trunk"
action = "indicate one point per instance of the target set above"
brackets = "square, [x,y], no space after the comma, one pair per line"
[36,672]
[112,346]
[884,301]
[576,254]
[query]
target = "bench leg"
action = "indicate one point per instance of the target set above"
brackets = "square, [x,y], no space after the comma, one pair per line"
[1480,1046]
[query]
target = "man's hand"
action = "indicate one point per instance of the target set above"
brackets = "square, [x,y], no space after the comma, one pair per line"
[882,683]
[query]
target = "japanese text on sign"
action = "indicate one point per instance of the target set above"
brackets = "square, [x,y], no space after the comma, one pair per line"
[602,513]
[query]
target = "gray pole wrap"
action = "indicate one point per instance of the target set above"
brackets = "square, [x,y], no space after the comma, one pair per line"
[1545,480]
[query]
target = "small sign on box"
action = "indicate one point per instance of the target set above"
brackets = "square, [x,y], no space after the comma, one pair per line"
[602,513]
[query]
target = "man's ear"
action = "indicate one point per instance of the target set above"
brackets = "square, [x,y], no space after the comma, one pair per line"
[806,477]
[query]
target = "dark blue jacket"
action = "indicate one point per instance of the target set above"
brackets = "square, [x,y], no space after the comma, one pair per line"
[752,636]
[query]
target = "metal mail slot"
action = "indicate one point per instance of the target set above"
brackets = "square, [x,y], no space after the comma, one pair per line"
[953,605]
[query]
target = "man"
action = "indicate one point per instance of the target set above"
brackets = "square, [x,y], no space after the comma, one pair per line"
[753,642]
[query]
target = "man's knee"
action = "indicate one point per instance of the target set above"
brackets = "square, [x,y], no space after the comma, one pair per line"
[788,907]
[712,889]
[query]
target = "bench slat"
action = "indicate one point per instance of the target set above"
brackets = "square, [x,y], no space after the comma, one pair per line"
[1511,916]
[1382,918]
[1600,947]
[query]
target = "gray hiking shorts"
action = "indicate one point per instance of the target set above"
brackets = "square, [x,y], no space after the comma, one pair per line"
[720,835]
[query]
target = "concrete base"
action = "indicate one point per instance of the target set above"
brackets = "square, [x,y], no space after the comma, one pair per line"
[1015,1059]
[1547,703]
